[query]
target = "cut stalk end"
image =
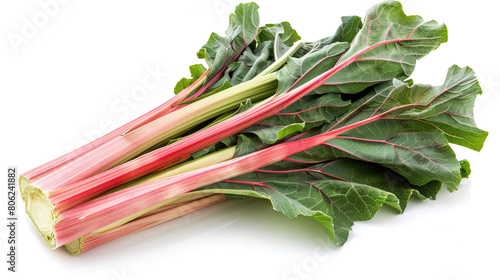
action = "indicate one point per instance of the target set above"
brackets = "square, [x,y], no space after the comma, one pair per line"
[23,184]
[74,247]
[41,214]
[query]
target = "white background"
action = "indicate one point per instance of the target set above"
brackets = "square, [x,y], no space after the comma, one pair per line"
[72,78]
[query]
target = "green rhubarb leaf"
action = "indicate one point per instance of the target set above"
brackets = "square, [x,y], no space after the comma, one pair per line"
[271,135]
[465,168]
[390,42]
[395,139]
[255,57]
[456,122]
[252,62]
[428,191]
[282,35]
[227,74]
[322,53]
[334,193]
[298,71]
[196,70]
[220,51]
[313,110]
[387,47]
[308,112]
[419,156]
[345,33]
[248,144]
[350,170]
[272,41]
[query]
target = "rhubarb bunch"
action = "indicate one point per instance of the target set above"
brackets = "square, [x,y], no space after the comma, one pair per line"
[331,129]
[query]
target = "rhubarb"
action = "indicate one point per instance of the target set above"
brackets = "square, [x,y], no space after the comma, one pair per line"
[331,129]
